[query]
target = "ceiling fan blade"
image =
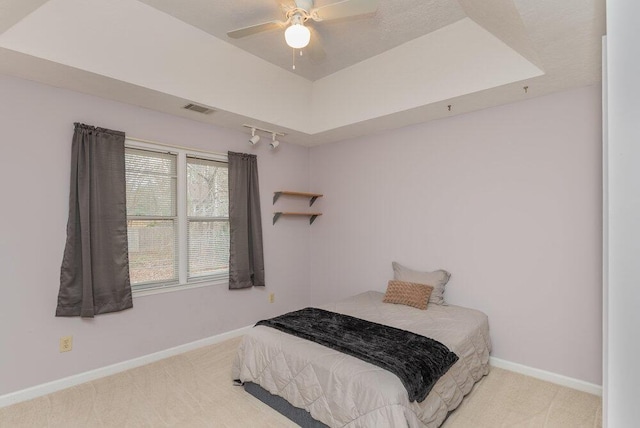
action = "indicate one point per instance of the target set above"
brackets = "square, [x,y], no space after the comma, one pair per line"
[344,9]
[254,29]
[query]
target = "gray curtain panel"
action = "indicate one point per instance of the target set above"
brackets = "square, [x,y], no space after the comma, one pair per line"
[94,277]
[246,261]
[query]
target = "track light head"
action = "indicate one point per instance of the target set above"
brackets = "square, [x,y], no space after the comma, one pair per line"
[254,138]
[274,143]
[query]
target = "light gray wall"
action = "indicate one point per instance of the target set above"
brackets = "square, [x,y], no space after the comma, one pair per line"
[36,126]
[507,199]
[622,383]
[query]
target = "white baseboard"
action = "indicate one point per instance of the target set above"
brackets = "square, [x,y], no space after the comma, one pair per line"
[67,382]
[569,382]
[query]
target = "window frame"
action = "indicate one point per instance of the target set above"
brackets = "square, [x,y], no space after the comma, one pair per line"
[182,232]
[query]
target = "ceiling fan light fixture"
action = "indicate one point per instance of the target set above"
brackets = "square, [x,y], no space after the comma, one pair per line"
[297,36]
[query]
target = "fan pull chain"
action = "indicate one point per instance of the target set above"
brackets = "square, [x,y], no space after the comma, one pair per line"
[293,58]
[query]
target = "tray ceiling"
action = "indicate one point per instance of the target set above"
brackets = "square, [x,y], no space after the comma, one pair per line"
[404,64]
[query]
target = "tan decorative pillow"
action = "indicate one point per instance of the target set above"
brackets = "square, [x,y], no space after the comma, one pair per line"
[408,293]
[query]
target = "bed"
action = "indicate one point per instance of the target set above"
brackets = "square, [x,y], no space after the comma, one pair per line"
[342,391]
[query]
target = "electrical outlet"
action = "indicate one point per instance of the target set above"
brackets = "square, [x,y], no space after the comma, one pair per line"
[272,297]
[66,343]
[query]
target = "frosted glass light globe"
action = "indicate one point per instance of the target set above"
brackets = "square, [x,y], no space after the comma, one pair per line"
[297,36]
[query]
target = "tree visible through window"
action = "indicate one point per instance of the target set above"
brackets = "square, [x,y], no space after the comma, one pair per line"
[176,237]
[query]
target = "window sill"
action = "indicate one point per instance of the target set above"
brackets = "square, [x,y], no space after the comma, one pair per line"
[179,287]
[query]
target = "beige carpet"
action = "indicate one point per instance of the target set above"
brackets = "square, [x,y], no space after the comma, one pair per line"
[195,390]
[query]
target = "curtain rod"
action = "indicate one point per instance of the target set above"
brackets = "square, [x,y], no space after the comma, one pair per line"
[141,140]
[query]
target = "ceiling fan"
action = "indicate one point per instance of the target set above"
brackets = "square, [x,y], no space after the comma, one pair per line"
[297,35]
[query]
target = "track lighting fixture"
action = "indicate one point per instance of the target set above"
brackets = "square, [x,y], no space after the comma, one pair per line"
[254,138]
[274,143]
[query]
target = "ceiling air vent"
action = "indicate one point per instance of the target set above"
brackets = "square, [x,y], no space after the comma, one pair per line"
[199,109]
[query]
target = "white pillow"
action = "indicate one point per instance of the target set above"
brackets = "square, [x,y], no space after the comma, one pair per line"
[437,279]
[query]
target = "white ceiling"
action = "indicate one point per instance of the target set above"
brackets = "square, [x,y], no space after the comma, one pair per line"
[345,41]
[404,64]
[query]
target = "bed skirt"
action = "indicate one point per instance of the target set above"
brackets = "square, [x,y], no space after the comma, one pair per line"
[297,415]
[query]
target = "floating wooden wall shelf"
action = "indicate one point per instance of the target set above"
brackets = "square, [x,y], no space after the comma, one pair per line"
[312,198]
[312,216]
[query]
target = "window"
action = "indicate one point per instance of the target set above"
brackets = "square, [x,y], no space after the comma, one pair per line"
[177,217]
[208,217]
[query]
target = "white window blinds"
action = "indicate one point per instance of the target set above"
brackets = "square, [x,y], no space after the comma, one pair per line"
[152,222]
[177,217]
[207,217]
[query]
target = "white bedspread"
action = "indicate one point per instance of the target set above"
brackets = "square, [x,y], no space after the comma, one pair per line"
[343,391]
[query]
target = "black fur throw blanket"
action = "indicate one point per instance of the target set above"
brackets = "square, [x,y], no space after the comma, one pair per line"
[417,360]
